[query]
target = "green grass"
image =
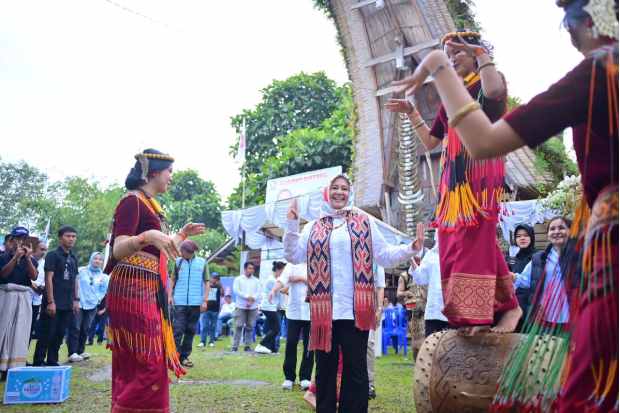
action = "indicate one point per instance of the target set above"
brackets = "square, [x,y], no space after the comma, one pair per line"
[393,377]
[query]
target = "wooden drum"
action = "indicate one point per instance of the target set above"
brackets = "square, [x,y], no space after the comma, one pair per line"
[460,374]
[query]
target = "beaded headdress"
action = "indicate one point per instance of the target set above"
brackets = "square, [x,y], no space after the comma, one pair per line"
[603,14]
[143,159]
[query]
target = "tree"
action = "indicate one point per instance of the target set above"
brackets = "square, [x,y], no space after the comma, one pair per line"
[191,199]
[305,149]
[22,187]
[301,101]
[83,205]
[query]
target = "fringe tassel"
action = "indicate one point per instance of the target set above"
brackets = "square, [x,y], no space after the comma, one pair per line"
[469,189]
[137,306]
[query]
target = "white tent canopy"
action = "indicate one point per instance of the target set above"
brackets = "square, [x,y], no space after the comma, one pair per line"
[253,219]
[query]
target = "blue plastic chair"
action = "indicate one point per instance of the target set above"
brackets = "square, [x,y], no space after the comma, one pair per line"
[394,330]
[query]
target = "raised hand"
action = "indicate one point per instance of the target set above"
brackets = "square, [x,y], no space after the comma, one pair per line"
[473,50]
[162,242]
[193,229]
[418,243]
[293,213]
[409,84]
[399,106]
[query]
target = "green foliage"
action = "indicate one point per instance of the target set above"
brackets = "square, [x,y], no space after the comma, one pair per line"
[463,16]
[551,157]
[83,205]
[305,148]
[30,199]
[513,103]
[301,101]
[22,186]
[565,197]
[191,199]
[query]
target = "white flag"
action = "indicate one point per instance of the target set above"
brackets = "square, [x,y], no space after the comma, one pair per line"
[241,150]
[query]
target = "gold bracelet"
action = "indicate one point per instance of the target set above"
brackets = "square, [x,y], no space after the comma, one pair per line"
[462,112]
[487,64]
[420,123]
[183,235]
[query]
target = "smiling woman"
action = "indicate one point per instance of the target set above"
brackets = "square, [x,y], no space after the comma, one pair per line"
[136,299]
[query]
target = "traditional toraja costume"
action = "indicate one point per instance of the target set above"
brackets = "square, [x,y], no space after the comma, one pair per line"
[476,282]
[140,332]
[340,249]
[585,99]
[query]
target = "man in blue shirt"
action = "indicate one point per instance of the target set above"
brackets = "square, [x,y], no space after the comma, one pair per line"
[189,293]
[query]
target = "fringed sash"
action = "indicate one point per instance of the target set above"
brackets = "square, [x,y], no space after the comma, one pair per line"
[320,277]
[138,309]
[468,188]
[589,267]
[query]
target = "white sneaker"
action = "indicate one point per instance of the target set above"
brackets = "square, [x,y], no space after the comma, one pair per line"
[287,385]
[201,344]
[305,384]
[262,349]
[74,358]
[85,356]
[211,345]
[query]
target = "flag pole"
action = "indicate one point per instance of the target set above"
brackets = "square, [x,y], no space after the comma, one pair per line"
[243,168]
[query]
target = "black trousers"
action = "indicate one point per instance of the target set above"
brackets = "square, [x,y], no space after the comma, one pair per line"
[51,332]
[184,326]
[354,386]
[295,328]
[273,330]
[433,326]
[33,325]
[79,330]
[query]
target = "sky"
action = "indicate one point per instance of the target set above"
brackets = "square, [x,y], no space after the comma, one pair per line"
[87,84]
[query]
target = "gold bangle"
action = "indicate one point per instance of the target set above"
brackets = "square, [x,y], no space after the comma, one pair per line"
[462,112]
[182,234]
[420,123]
[487,64]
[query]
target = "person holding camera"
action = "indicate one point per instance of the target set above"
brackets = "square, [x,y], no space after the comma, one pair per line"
[18,269]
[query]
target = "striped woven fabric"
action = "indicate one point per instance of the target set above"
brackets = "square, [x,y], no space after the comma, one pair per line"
[320,277]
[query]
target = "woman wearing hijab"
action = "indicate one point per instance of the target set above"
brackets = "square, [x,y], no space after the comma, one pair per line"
[140,332]
[551,301]
[92,281]
[525,239]
[340,249]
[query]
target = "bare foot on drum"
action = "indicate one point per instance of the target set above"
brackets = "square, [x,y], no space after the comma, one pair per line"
[471,331]
[509,321]
[310,398]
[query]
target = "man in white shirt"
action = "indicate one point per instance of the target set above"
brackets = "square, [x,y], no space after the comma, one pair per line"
[298,322]
[427,273]
[247,290]
[227,313]
[38,286]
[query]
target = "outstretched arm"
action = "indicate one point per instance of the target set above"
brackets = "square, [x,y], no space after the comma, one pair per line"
[481,138]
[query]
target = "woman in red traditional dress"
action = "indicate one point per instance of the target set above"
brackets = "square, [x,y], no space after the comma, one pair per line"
[340,249]
[476,282]
[586,99]
[139,331]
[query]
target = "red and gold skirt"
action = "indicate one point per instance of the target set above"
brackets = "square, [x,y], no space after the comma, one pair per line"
[140,335]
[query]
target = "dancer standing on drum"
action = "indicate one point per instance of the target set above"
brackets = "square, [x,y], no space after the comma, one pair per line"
[586,99]
[340,249]
[140,331]
[471,263]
